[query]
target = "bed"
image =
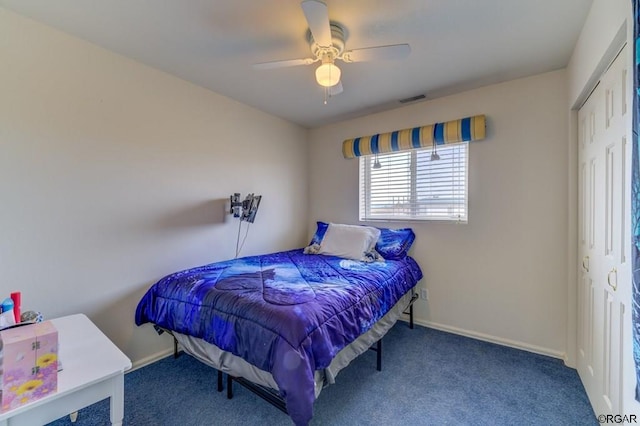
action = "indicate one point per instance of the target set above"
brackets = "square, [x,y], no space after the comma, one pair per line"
[285,321]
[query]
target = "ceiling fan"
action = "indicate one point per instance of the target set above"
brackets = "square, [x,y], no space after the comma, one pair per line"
[327,43]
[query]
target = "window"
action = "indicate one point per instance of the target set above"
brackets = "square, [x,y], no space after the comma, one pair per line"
[410,185]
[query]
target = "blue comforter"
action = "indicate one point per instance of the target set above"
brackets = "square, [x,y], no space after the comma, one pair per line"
[287,313]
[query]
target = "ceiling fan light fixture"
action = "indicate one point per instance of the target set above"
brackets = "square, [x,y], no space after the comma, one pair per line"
[328,74]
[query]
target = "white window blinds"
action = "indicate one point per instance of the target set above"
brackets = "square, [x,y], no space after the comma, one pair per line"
[415,185]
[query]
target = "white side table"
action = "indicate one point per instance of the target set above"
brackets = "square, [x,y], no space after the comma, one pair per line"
[93,369]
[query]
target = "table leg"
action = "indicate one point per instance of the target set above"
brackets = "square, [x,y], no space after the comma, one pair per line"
[117,400]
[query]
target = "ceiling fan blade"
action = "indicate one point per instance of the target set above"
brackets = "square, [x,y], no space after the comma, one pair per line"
[317,16]
[394,51]
[282,64]
[335,89]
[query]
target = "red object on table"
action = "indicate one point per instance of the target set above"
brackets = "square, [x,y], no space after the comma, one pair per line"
[16,297]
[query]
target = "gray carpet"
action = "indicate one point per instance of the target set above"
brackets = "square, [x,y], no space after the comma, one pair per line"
[428,377]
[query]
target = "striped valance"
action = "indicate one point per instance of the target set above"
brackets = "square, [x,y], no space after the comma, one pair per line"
[463,130]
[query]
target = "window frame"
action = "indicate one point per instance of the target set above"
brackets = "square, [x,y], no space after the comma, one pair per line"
[364,189]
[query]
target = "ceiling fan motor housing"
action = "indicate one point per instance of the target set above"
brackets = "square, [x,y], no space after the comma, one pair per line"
[329,52]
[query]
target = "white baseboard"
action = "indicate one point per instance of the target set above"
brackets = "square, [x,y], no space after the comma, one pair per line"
[151,359]
[492,339]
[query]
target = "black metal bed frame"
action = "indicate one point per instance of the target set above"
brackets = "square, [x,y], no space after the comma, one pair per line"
[271,395]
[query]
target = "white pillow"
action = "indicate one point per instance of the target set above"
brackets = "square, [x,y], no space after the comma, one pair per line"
[349,241]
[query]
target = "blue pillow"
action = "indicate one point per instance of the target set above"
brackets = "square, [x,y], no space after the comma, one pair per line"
[319,235]
[393,244]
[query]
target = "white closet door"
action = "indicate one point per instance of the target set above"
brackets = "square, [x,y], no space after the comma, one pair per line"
[588,166]
[604,240]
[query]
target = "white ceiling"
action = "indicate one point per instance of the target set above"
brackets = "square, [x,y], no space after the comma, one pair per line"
[456,45]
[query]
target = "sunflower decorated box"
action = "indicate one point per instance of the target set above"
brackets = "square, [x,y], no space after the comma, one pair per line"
[28,364]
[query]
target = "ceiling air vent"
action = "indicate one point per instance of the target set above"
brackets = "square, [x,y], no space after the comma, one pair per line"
[412,99]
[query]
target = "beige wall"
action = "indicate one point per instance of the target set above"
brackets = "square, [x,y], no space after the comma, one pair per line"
[595,47]
[113,174]
[501,277]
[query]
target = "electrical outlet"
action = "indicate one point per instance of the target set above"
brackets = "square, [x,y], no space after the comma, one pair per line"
[424,294]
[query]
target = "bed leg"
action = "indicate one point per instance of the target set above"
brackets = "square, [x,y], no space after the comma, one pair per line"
[229,386]
[379,355]
[411,316]
[220,387]
[175,347]
[414,297]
